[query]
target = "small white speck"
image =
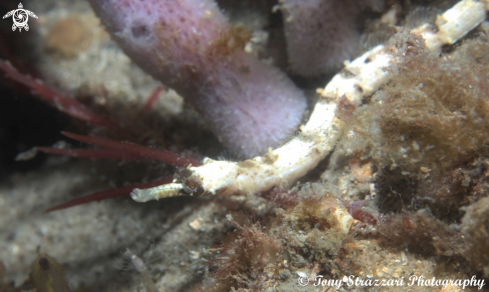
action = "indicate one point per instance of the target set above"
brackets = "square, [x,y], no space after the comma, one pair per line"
[229,217]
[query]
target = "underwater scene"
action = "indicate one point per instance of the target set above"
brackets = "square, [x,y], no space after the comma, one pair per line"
[244,145]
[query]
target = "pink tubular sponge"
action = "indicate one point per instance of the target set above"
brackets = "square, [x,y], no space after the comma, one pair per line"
[320,34]
[189,46]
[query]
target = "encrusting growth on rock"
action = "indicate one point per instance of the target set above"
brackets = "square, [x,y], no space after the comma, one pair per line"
[475,228]
[423,121]
[257,255]
[69,37]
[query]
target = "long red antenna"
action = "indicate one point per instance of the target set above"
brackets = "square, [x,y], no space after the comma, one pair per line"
[67,105]
[109,194]
[92,153]
[162,155]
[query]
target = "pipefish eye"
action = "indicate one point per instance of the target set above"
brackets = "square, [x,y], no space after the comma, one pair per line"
[191,184]
[192,187]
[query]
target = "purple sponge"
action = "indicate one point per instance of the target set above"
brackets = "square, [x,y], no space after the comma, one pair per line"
[320,34]
[189,46]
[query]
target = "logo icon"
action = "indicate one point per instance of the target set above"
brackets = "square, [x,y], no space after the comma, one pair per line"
[20,17]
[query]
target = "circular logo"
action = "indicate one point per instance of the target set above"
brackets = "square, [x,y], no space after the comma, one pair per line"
[303,281]
[20,17]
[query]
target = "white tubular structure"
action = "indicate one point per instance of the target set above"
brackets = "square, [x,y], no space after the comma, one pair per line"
[359,79]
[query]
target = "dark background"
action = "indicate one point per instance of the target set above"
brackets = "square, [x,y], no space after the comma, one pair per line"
[25,121]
